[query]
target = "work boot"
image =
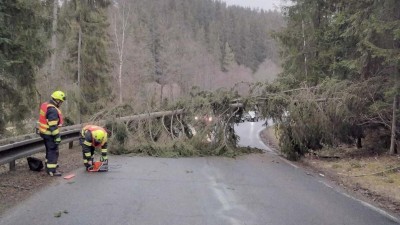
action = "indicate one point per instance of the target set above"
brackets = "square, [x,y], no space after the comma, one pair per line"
[54,174]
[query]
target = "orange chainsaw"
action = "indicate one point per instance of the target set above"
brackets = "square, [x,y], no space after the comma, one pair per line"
[98,166]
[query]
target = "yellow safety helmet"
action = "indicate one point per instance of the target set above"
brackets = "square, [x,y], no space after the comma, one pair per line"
[58,95]
[99,136]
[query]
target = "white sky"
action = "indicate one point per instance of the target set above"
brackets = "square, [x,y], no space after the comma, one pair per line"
[262,4]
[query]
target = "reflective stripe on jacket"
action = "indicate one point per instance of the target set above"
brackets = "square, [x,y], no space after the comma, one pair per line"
[45,124]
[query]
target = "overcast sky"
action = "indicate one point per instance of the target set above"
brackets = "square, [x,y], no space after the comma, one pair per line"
[262,4]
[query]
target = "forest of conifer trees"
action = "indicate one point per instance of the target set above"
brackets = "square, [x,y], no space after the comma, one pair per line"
[340,57]
[136,51]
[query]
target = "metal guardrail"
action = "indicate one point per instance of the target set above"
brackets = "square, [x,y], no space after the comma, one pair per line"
[20,149]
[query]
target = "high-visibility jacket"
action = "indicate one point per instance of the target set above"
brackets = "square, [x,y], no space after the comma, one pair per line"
[88,142]
[46,126]
[92,142]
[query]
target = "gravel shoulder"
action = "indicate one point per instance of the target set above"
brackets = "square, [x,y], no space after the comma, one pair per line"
[18,185]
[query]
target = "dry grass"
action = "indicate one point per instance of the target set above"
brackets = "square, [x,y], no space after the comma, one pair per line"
[378,174]
[374,176]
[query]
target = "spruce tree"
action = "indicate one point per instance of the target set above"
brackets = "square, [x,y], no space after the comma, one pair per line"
[84,27]
[24,32]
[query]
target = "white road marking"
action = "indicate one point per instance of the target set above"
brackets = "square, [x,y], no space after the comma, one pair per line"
[272,151]
[376,209]
[382,212]
[224,199]
[373,208]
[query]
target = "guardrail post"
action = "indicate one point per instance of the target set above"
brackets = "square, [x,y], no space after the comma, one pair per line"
[12,165]
[71,144]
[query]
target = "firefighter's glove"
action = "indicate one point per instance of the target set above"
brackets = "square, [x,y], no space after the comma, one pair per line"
[57,140]
[88,166]
[102,159]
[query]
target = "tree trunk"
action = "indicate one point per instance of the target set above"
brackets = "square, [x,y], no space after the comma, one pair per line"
[161,94]
[359,143]
[120,46]
[392,150]
[120,80]
[304,51]
[54,40]
[79,74]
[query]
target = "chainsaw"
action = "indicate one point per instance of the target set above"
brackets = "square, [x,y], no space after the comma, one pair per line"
[98,166]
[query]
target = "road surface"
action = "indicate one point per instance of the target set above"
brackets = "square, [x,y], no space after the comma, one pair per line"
[257,189]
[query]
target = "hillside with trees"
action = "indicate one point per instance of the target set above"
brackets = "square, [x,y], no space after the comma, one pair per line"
[326,71]
[138,52]
[25,29]
[340,75]
[339,80]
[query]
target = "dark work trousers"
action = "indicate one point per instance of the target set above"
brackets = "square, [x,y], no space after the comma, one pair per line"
[86,148]
[51,152]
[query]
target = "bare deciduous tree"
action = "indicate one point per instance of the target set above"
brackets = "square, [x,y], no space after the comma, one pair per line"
[121,23]
[54,39]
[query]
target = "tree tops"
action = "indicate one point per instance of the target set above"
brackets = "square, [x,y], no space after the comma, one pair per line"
[24,33]
[349,50]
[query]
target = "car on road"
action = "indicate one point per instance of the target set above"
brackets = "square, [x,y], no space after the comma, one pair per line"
[253,116]
[246,116]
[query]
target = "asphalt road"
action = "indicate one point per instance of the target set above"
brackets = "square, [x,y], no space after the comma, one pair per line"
[257,189]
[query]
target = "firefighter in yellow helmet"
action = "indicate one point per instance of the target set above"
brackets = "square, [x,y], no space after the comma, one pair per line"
[50,119]
[93,137]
